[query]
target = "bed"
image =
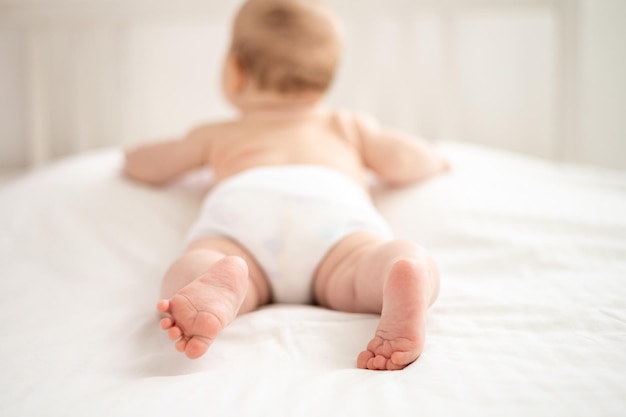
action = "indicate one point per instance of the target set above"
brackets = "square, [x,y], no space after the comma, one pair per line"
[531,320]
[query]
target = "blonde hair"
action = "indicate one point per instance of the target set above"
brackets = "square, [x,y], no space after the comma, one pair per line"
[287,46]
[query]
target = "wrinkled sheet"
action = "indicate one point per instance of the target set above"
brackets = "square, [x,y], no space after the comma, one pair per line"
[531,320]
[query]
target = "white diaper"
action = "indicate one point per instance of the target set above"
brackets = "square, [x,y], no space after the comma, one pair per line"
[288,218]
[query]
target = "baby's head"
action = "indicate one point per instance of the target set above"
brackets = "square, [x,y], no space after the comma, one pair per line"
[286,47]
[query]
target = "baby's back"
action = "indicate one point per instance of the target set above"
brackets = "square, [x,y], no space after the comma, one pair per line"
[268,138]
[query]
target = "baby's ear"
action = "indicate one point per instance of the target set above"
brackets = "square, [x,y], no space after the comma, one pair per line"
[235,76]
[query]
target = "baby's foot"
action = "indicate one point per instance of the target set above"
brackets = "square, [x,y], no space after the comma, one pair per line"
[200,310]
[400,334]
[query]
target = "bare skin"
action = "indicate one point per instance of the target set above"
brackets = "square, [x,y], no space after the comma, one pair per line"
[400,335]
[202,296]
[211,283]
[216,279]
[396,279]
[202,308]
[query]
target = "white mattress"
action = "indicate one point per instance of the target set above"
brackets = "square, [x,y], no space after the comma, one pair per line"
[531,320]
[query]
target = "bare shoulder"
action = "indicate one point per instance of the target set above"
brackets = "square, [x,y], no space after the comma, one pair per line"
[208,136]
[353,125]
[397,158]
[360,123]
[210,131]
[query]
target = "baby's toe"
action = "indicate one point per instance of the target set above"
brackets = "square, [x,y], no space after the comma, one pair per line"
[196,347]
[363,359]
[174,333]
[379,362]
[393,367]
[181,344]
[163,306]
[166,323]
[403,358]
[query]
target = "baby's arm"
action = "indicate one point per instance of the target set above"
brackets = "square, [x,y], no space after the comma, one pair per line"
[161,162]
[397,158]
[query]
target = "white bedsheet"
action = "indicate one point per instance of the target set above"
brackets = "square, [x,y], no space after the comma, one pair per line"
[531,320]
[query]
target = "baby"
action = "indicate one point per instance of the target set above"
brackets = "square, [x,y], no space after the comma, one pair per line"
[290,219]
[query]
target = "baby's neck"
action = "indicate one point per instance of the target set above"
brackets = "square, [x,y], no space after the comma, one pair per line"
[286,111]
[277,105]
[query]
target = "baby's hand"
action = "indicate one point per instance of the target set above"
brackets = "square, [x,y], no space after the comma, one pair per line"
[446,165]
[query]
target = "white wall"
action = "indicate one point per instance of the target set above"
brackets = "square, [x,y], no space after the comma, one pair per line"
[12,100]
[543,77]
[603,83]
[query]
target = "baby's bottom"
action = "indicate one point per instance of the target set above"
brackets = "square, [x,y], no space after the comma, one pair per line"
[208,286]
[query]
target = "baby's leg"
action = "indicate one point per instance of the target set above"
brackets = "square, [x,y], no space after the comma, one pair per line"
[397,279]
[212,282]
